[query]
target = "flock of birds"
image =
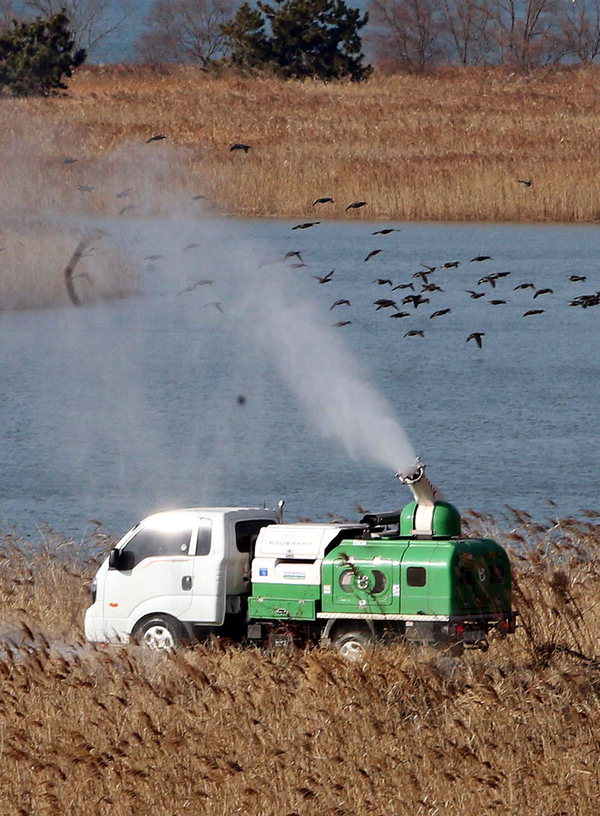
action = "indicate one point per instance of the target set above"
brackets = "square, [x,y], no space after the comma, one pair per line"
[414,294]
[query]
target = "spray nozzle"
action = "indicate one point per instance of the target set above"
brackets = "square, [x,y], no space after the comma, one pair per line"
[412,474]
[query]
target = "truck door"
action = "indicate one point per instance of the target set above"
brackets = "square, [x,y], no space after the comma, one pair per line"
[157,575]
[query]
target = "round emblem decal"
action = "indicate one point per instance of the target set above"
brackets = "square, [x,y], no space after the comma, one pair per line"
[482,573]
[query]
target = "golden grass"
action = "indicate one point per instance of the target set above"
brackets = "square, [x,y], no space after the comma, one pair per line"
[447,147]
[223,730]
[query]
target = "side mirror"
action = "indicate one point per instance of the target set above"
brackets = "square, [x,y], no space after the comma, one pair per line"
[114,559]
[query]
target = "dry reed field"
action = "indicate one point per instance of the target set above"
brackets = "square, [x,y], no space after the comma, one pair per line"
[445,147]
[221,730]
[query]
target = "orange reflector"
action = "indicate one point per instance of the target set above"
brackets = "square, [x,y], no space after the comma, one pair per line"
[113,604]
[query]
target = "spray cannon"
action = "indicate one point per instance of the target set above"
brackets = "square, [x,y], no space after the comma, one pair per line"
[428,515]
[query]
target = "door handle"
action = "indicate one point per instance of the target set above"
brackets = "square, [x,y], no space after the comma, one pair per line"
[186,582]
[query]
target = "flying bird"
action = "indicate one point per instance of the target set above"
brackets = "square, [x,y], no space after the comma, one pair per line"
[450,265]
[84,188]
[423,275]
[156,138]
[69,160]
[326,278]
[477,337]
[70,269]
[323,200]
[543,292]
[384,303]
[341,323]
[239,146]
[491,279]
[525,182]
[385,231]
[431,287]
[298,265]
[292,254]
[533,312]
[124,193]
[496,302]
[525,286]
[439,313]
[475,295]
[481,258]
[404,286]
[356,205]
[125,209]
[372,254]
[398,315]
[200,197]
[306,225]
[382,281]
[414,333]
[341,302]
[416,300]
[577,278]
[430,269]
[190,246]
[191,288]
[216,304]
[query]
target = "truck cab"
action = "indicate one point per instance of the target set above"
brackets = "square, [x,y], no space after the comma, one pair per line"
[175,574]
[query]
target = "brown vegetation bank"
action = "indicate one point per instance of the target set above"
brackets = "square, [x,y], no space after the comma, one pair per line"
[223,730]
[457,145]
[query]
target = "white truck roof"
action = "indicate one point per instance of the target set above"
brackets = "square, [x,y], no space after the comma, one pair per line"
[168,518]
[299,541]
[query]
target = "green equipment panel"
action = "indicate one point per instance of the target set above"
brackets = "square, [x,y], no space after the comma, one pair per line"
[285,601]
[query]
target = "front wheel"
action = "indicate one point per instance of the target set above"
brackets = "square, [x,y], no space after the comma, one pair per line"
[352,644]
[160,633]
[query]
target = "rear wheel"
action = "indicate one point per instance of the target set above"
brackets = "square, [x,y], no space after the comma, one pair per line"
[352,643]
[160,633]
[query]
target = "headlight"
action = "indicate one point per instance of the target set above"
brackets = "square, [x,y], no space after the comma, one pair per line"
[93,587]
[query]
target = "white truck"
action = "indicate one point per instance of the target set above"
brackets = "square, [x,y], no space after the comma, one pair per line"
[174,572]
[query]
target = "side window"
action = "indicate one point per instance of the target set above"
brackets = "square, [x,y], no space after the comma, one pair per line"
[416,576]
[247,531]
[204,537]
[148,542]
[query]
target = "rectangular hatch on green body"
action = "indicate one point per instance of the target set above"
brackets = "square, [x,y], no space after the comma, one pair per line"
[285,601]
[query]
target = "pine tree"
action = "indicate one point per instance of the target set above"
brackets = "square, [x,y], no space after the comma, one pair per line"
[35,56]
[307,38]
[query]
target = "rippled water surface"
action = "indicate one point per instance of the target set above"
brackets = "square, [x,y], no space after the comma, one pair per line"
[113,410]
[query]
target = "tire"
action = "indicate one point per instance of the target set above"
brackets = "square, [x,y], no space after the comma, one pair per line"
[160,633]
[352,643]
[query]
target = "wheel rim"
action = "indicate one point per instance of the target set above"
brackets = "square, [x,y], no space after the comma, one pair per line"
[352,650]
[158,637]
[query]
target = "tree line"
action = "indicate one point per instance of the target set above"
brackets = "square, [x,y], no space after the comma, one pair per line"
[299,38]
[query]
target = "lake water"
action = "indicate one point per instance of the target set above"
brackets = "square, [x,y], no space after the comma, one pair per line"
[114,410]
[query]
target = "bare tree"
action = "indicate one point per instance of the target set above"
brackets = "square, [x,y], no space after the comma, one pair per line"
[408,34]
[185,31]
[580,27]
[527,32]
[469,24]
[90,20]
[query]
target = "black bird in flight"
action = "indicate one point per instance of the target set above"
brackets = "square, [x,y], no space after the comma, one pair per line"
[125,209]
[496,302]
[404,286]
[124,193]
[577,278]
[191,288]
[543,292]
[306,225]
[525,286]
[69,160]
[384,303]
[439,313]
[415,333]
[190,246]
[372,254]
[423,275]
[382,281]
[477,337]
[416,300]
[430,269]
[525,182]
[533,312]
[385,231]
[239,146]
[481,258]
[84,188]
[298,265]
[216,304]
[323,200]
[398,315]
[70,269]
[341,302]
[450,265]
[200,197]
[356,205]
[292,254]
[341,323]
[156,138]
[491,279]
[475,295]
[431,287]
[326,278]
